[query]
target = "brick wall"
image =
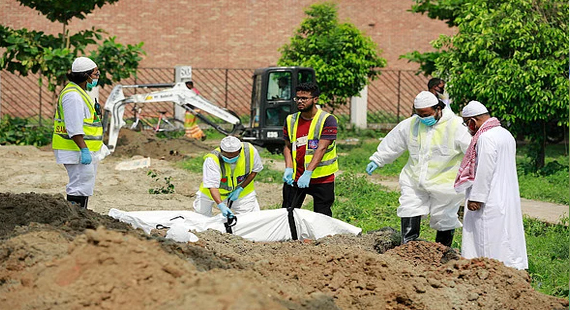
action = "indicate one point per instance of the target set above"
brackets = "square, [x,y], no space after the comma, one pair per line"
[236,33]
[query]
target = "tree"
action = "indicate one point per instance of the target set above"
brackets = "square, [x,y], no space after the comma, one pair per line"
[343,58]
[513,57]
[34,51]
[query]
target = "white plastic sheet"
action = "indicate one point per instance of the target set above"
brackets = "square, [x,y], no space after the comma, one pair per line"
[265,225]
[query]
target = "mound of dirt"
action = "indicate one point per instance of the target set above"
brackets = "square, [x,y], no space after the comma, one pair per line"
[23,209]
[131,143]
[64,266]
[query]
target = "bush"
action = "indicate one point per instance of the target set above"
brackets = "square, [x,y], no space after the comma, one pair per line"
[18,131]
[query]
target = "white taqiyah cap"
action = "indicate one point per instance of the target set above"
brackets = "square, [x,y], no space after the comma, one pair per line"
[230,144]
[473,108]
[425,99]
[82,64]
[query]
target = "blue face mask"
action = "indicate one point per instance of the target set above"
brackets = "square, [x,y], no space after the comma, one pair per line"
[428,120]
[93,83]
[230,160]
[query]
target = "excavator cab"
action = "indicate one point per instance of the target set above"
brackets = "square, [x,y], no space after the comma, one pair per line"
[271,101]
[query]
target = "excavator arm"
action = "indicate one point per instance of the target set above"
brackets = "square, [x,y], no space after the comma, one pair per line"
[177,93]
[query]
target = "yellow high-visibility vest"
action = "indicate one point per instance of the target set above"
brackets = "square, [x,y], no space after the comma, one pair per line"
[230,180]
[329,163]
[92,127]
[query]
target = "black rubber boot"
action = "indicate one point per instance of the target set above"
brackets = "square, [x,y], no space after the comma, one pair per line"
[445,237]
[80,200]
[410,228]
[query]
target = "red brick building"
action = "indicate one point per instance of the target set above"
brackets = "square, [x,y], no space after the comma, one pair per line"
[238,33]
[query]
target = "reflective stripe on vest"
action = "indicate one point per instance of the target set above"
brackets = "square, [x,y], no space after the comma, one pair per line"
[230,180]
[441,161]
[92,127]
[329,163]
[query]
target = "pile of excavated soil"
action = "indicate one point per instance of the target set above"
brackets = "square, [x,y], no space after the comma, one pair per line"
[131,143]
[55,264]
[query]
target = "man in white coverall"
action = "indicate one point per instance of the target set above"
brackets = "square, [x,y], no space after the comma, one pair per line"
[77,139]
[227,180]
[436,141]
[493,225]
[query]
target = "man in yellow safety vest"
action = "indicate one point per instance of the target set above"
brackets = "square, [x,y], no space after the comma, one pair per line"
[78,134]
[227,179]
[310,152]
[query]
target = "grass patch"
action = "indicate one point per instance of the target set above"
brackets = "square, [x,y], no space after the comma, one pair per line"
[355,158]
[548,256]
[366,205]
[551,182]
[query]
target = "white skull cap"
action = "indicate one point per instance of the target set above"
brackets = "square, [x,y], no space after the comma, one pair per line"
[473,108]
[425,99]
[82,64]
[230,144]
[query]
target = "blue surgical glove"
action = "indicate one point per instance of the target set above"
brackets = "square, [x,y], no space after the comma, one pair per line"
[371,167]
[233,196]
[85,156]
[305,179]
[288,176]
[225,210]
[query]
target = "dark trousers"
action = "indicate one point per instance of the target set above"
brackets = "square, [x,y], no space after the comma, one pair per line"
[323,196]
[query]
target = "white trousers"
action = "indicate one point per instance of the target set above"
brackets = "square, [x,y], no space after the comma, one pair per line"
[81,179]
[442,207]
[248,203]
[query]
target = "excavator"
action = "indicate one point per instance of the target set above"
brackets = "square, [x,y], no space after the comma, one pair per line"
[271,102]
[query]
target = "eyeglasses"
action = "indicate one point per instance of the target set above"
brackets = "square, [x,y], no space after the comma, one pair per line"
[96,74]
[466,123]
[302,99]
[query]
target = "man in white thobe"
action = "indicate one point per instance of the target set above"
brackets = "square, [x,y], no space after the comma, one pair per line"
[492,225]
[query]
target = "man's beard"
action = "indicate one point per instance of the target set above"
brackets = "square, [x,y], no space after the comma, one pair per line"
[307,108]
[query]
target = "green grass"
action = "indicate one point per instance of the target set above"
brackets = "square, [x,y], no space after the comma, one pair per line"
[551,183]
[355,158]
[548,256]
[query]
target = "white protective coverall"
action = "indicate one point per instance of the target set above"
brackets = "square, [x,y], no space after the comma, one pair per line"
[426,181]
[496,230]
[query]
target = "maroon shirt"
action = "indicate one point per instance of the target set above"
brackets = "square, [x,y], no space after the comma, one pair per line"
[329,133]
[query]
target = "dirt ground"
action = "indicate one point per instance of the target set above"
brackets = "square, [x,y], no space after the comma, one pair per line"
[55,256]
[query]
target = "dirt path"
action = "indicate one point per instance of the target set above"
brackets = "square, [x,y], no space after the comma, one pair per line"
[544,211]
[46,252]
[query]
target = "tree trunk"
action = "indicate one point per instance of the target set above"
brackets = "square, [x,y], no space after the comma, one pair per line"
[539,164]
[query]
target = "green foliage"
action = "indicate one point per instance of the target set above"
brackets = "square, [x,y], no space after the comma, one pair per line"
[548,256]
[446,10]
[116,61]
[33,51]
[344,59]
[513,57]
[64,10]
[17,131]
[167,188]
[426,61]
